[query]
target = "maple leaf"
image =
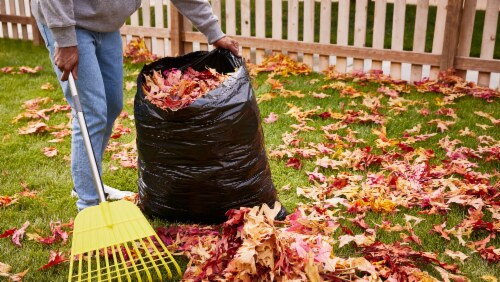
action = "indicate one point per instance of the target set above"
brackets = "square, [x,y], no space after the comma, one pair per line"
[8,233]
[30,70]
[55,258]
[18,235]
[6,201]
[441,124]
[6,69]
[47,86]
[319,95]
[294,163]
[18,277]
[271,118]
[456,255]
[50,151]
[26,191]
[33,127]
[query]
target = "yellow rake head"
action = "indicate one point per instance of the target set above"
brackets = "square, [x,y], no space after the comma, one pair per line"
[115,242]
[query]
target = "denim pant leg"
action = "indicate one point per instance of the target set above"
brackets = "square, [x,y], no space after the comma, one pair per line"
[110,58]
[91,89]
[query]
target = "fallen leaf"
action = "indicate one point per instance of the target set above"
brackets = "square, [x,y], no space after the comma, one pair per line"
[18,235]
[50,152]
[456,255]
[271,118]
[47,86]
[54,259]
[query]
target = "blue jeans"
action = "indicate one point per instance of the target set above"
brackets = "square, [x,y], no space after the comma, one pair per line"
[100,87]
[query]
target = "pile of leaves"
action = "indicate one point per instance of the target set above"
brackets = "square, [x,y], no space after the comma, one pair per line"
[136,52]
[173,89]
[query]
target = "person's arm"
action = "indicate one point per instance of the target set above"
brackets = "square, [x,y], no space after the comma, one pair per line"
[60,18]
[200,13]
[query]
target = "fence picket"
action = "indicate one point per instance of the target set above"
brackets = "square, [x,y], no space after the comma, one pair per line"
[12,11]
[437,43]
[466,29]
[24,27]
[3,11]
[159,47]
[342,33]
[379,29]
[293,27]
[230,17]
[398,30]
[489,36]
[419,36]
[246,25]
[325,31]
[260,28]
[308,28]
[146,21]
[360,30]
[277,26]
[216,8]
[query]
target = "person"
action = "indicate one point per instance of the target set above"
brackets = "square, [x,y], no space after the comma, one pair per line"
[83,38]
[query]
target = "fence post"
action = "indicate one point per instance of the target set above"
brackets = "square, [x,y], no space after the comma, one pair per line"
[454,10]
[37,37]
[176,32]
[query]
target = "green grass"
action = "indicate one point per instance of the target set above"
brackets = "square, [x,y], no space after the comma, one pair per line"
[22,159]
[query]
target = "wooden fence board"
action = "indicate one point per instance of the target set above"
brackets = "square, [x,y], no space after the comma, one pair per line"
[342,33]
[293,24]
[3,11]
[12,11]
[466,29]
[327,49]
[379,29]
[260,28]
[246,25]
[160,42]
[230,17]
[22,12]
[146,21]
[277,27]
[398,30]
[419,36]
[308,28]
[216,8]
[360,30]
[325,31]
[451,31]
[489,36]
[438,41]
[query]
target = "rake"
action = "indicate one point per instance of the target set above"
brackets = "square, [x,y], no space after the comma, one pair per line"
[114,241]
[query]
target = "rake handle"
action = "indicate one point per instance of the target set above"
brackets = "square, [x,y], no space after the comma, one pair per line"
[86,139]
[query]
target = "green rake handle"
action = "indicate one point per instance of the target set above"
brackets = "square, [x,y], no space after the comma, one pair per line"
[86,139]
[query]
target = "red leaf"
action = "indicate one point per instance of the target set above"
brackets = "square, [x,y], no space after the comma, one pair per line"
[19,234]
[55,259]
[294,162]
[8,233]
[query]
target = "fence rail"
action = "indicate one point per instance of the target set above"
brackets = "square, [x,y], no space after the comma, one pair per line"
[405,40]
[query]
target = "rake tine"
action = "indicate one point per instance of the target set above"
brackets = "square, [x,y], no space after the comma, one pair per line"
[70,268]
[145,267]
[132,262]
[169,254]
[89,267]
[124,263]
[158,272]
[108,269]
[115,260]
[98,265]
[161,258]
[80,263]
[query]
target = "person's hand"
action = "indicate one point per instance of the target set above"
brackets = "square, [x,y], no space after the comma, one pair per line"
[66,59]
[228,43]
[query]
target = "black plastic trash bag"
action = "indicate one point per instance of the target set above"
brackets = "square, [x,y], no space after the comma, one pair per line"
[200,161]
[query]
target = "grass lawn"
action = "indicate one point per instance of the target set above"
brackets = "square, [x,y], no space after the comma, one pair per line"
[22,159]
